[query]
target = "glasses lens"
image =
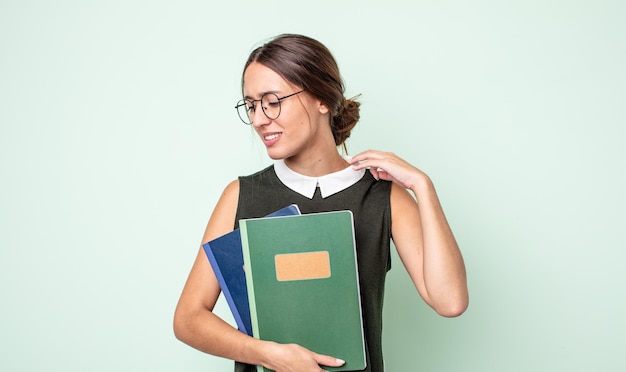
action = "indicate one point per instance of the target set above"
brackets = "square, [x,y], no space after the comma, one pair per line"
[244,109]
[271,105]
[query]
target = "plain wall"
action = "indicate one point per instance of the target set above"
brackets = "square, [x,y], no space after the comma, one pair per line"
[118,134]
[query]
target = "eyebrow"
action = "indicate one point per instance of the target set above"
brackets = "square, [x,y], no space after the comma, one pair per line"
[262,93]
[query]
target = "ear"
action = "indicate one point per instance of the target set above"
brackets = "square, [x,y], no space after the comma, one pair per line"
[323,108]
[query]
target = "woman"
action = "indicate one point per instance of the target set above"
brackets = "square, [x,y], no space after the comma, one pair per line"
[293,97]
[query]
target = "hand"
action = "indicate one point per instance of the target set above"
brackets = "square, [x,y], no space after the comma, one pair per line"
[295,358]
[389,167]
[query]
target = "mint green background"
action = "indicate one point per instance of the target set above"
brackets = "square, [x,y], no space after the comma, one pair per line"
[117,135]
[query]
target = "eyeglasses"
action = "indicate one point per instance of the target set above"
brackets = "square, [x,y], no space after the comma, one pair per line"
[270,104]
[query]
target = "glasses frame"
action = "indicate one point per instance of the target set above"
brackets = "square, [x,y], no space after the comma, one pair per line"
[252,103]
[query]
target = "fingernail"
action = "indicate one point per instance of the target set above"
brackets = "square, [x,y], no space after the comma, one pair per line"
[341,361]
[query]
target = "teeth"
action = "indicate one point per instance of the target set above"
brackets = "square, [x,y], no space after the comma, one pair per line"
[271,137]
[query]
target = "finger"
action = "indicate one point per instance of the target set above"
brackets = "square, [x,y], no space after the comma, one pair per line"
[329,361]
[361,164]
[359,160]
[364,156]
[370,162]
[374,172]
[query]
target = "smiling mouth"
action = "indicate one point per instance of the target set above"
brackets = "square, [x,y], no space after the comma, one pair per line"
[271,136]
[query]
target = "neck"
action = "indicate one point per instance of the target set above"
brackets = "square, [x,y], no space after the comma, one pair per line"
[317,165]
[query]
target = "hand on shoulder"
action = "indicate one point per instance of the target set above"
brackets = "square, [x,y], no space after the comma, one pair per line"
[390,167]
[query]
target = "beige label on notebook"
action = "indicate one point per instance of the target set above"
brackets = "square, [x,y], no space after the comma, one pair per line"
[302,266]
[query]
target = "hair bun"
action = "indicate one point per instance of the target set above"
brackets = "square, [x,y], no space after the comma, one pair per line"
[346,119]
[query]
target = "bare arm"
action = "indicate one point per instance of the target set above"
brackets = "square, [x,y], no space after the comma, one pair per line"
[421,234]
[196,325]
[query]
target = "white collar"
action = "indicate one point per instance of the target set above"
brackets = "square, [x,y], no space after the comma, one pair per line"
[329,184]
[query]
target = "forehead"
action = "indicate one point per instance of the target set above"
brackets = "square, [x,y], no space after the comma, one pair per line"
[259,79]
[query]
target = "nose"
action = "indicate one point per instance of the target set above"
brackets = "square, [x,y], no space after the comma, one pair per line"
[258,117]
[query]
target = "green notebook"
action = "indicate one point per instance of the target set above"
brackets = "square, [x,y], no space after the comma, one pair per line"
[303,285]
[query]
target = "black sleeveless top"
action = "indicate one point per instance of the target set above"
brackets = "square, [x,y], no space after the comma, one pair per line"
[263,193]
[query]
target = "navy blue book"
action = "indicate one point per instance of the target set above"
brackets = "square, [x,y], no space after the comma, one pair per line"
[226,258]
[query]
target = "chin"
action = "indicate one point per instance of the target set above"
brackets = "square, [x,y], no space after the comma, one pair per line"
[277,155]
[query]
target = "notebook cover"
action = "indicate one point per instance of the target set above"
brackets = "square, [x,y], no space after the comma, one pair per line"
[226,258]
[303,286]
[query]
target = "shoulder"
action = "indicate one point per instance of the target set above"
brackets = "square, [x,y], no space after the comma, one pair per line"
[381,188]
[265,177]
[229,199]
[231,190]
[222,218]
[260,174]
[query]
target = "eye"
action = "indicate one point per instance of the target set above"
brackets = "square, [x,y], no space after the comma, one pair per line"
[250,106]
[270,100]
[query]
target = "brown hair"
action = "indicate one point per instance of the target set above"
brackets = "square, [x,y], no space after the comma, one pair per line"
[307,63]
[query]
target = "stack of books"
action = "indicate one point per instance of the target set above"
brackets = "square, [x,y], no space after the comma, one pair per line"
[293,278]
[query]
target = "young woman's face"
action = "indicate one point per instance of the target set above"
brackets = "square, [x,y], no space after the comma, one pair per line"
[298,127]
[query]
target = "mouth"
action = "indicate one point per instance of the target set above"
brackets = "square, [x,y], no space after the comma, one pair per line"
[271,137]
